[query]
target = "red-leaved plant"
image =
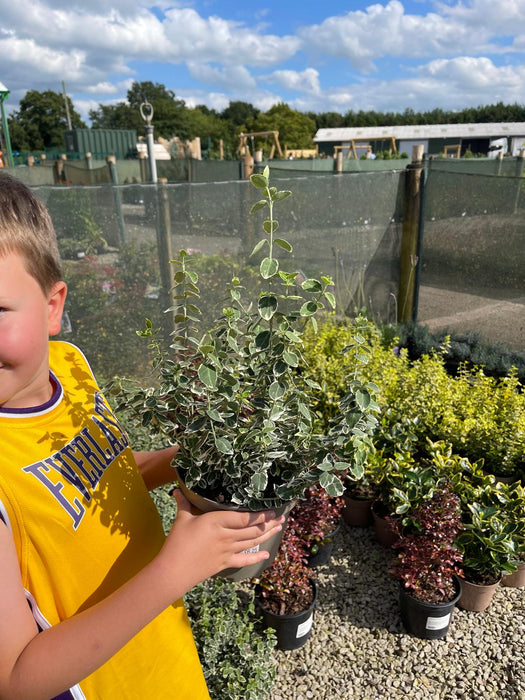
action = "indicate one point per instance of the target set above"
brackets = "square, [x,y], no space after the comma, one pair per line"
[285,588]
[428,559]
[316,517]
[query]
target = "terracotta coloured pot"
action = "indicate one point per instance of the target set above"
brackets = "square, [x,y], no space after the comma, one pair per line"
[515,580]
[357,512]
[383,531]
[476,597]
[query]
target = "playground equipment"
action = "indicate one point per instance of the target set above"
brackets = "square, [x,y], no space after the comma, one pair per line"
[243,142]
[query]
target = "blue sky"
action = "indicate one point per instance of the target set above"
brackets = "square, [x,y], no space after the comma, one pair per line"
[323,56]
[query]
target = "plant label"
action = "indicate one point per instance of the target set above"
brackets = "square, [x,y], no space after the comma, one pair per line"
[252,549]
[438,623]
[304,627]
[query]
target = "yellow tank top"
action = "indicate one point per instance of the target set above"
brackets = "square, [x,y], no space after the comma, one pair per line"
[83,523]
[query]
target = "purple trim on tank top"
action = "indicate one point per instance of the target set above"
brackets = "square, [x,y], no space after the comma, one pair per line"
[38,409]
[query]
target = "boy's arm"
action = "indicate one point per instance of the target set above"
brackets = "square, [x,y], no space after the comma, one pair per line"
[37,666]
[155,467]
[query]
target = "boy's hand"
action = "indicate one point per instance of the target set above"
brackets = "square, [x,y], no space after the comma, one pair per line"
[210,542]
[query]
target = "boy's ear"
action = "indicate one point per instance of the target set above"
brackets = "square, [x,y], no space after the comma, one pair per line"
[55,304]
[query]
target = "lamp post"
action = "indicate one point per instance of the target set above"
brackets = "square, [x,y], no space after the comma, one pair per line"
[4,94]
[146,112]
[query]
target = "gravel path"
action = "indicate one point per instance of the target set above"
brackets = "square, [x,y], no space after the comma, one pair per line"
[359,651]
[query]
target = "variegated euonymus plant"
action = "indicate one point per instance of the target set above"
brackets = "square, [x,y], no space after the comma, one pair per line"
[233,396]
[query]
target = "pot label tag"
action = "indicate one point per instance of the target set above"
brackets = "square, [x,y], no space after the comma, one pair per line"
[438,623]
[249,551]
[304,627]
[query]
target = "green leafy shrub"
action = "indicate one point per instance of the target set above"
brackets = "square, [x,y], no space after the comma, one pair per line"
[235,656]
[482,417]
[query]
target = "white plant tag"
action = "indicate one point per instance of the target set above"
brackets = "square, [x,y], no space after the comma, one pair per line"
[304,627]
[438,623]
[249,551]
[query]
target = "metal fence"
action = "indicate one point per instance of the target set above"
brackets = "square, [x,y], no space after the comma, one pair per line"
[116,242]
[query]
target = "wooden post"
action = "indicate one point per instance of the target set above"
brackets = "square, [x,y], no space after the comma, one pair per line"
[221,149]
[165,256]
[247,165]
[339,162]
[143,166]
[520,159]
[410,238]
[499,162]
[30,161]
[59,168]
[117,197]
[89,161]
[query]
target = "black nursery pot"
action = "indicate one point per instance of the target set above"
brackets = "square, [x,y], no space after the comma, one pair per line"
[324,550]
[427,620]
[292,631]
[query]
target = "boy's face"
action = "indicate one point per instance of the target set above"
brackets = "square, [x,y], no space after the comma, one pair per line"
[27,318]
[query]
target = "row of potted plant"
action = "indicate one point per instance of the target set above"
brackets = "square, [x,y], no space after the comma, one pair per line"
[481,416]
[262,414]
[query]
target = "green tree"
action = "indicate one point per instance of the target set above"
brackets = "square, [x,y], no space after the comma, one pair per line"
[296,130]
[240,114]
[170,114]
[41,120]
[211,128]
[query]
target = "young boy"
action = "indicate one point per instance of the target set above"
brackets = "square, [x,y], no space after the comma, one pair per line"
[87,577]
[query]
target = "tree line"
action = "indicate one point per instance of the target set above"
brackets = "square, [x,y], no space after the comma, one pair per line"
[41,119]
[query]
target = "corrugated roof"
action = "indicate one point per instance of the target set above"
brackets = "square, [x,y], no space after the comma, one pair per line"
[423,131]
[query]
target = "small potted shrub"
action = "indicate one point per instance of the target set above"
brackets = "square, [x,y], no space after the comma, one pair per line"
[516,513]
[234,396]
[287,594]
[487,540]
[428,564]
[316,520]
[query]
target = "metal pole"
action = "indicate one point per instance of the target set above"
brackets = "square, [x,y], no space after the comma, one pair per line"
[146,111]
[68,116]
[5,127]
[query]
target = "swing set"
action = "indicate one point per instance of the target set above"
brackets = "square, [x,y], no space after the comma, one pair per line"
[244,147]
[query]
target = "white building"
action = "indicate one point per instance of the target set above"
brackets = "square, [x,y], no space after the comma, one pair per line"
[449,139]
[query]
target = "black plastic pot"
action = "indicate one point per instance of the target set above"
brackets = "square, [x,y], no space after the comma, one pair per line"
[322,551]
[427,620]
[205,505]
[292,631]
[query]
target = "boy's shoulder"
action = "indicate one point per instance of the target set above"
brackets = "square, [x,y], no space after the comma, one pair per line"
[68,361]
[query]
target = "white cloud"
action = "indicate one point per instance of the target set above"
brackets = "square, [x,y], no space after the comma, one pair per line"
[217,39]
[231,77]
[300,81]
[362,37]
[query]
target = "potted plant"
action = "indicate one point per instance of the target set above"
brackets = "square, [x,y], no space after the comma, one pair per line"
[516,513]
[427,565]
[234,398]
[286,593]
[316,520]
[359,495]
[487,540]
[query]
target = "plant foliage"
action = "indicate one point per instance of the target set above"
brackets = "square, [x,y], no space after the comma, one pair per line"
[235,396]
[235,656]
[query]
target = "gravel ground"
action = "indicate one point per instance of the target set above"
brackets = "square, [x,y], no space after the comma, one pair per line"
[359,650]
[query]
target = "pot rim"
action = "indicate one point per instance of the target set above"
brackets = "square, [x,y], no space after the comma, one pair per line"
[312,605]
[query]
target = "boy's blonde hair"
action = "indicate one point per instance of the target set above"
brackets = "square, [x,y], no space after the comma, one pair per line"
[26,229]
